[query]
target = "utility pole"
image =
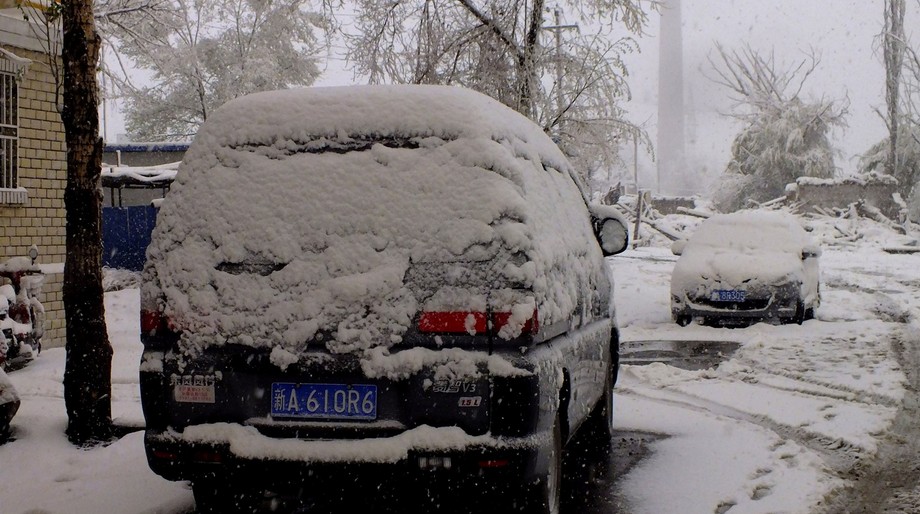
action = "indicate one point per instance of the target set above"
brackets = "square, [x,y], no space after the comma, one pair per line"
[557,31]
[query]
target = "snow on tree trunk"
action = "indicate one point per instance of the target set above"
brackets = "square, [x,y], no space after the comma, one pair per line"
[87,374]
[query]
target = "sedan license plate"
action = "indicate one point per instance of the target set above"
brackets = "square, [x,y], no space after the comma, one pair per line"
[324,401]
[728,295]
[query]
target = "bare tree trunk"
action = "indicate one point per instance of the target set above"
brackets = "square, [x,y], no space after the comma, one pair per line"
[527,61]
[894,45]
[88,372]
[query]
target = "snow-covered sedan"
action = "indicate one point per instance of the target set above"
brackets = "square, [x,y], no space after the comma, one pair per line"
[746,266]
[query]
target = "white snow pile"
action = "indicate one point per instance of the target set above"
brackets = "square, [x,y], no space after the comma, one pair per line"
[339,213]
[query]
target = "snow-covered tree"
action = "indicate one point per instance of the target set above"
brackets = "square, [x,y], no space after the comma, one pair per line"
[784,137]
[88,372]
[199,54]
[68,34]
[902,110]
[570,82]
[46,17]
[893,46]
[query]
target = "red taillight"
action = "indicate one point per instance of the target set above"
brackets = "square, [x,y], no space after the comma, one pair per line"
[467,322]
[160,454]
[207,456]
[150,321]
[453,322]
[494,463]
[500,319]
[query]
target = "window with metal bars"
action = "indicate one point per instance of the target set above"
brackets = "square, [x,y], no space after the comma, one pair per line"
[9,126]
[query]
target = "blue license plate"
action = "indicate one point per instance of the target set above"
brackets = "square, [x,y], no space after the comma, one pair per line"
[728,295]
[324,401]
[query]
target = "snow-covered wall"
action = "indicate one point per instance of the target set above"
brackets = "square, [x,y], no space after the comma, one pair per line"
[840,193]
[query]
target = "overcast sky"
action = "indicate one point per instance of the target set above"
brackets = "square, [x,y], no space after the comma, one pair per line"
[842,32]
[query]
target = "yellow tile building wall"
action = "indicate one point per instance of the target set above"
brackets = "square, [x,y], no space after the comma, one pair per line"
[43,173]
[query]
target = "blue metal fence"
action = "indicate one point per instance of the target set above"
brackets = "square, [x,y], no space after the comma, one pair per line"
[126,235]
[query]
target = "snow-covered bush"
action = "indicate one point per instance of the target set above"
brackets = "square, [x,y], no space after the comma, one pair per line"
[784,137]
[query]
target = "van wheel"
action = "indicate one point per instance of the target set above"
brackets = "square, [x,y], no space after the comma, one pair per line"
[221,497]
[543,496]
[600,420]
[800,313]
[683,319]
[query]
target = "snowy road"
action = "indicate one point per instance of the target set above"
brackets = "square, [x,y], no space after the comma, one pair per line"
[819,418]
[798,419]
[891,483]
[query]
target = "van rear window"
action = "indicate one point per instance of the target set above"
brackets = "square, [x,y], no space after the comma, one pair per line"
[343,144]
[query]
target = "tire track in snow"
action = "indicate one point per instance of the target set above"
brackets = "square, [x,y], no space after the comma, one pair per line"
[833,391]
[890,483]
[837,454]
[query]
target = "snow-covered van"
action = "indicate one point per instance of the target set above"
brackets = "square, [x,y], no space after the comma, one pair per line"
[400,279]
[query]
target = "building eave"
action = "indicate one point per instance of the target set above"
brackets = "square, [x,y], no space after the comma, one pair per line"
[17,32]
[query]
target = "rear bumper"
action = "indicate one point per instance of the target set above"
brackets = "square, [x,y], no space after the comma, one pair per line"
[234,452]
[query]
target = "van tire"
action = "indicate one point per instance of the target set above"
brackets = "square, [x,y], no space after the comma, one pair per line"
[800,312]
[600,420]
[544,495]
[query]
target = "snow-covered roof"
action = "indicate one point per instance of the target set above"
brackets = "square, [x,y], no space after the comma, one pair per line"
[871,178]
[307,114]
[117,176]
[154,146]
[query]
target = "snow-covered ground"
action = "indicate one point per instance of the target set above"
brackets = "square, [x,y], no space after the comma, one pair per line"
[770,430]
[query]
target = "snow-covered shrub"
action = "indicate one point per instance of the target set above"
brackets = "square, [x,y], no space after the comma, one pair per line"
[784,137]
[732,191]
[777,147]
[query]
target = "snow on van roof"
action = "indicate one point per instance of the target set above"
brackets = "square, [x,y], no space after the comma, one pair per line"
[305,114]
[339,213]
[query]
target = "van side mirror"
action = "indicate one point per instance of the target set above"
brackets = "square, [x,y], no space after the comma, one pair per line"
[609,229]
[613,236]
[677,247]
